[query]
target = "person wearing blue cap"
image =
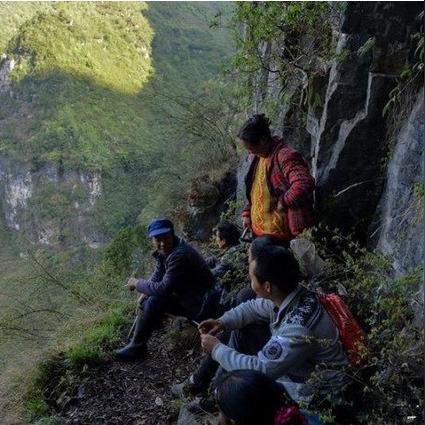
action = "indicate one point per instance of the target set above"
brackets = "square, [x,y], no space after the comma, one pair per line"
[181,284]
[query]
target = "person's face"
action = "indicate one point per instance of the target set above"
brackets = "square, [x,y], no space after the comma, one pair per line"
[261,289]
[221,242]
[163,243]
[262,149]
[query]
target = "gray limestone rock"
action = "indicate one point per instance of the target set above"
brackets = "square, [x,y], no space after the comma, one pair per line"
[400,223]
[47,204]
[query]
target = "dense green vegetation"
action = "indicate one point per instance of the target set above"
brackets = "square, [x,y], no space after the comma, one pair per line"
[303,32]
[90,91]
[13,17]
[80,74]
[79,69]
[110,88]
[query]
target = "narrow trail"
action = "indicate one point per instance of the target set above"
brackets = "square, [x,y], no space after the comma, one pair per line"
[136,393]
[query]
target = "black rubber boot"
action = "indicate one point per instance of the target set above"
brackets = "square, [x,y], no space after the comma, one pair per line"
[131,352]
[136,349]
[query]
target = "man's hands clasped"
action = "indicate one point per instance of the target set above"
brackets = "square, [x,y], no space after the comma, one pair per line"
[208,328]
[131,284]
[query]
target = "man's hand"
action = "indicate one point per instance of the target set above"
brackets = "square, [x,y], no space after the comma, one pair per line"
[210,326]
[131,283]
[208,342]
[246,222]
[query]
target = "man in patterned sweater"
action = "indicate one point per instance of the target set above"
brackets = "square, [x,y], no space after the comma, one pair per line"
[304,352]
[279,187]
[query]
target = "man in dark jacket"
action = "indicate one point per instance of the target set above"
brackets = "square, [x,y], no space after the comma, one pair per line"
[179,285]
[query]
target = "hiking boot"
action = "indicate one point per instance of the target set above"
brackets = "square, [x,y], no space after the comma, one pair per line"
[131,352]
[186,388]
[203,405]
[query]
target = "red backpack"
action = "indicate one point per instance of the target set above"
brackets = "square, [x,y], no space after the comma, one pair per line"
[352,336]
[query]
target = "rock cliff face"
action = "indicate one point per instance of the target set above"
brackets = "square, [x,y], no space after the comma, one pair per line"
[366,182]
[6,67]
[350,137]
[48,204]
[400,213]
[206,201]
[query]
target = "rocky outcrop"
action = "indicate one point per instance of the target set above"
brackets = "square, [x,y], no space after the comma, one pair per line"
[267,89]
[47,204]
[206,200]
[6,67]
[400,224]
[349,136]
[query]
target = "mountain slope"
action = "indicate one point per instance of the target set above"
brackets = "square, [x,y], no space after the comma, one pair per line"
[85,92]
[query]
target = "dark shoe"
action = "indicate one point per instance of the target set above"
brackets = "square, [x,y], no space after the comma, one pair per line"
[186,388]
[131,352]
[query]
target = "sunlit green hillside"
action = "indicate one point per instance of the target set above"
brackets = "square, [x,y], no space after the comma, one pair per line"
[91,85]
[81,71]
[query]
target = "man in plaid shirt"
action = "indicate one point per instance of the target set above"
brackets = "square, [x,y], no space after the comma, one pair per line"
[279,186]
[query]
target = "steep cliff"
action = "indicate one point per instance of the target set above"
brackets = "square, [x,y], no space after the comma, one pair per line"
[400,223]
[49,205]
[350,136]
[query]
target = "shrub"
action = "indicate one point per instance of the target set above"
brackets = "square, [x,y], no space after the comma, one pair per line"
[119,255]
[388,388]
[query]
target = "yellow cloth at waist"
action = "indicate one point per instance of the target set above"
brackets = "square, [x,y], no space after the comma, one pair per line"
[265,219]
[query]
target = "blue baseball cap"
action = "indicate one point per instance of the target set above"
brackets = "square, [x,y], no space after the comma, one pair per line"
[159,226]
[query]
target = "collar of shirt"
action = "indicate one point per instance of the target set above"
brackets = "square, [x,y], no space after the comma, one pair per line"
[280,312]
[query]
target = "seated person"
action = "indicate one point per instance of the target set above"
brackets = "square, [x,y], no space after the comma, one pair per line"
[227,238]
[248,397]
[303,336]
[227,267]
[254,335]
[179,285]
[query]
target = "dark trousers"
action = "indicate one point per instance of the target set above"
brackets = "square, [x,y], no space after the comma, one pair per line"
[150,315]
[248,340]
[158,306]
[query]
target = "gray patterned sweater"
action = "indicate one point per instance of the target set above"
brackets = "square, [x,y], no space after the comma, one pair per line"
[304,352]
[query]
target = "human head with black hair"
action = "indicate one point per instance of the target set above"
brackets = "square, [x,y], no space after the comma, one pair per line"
[259,243]
[248,397]
[274,272]
[227,234]
[255,135]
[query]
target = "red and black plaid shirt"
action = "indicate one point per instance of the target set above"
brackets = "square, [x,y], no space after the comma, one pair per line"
[288,179]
